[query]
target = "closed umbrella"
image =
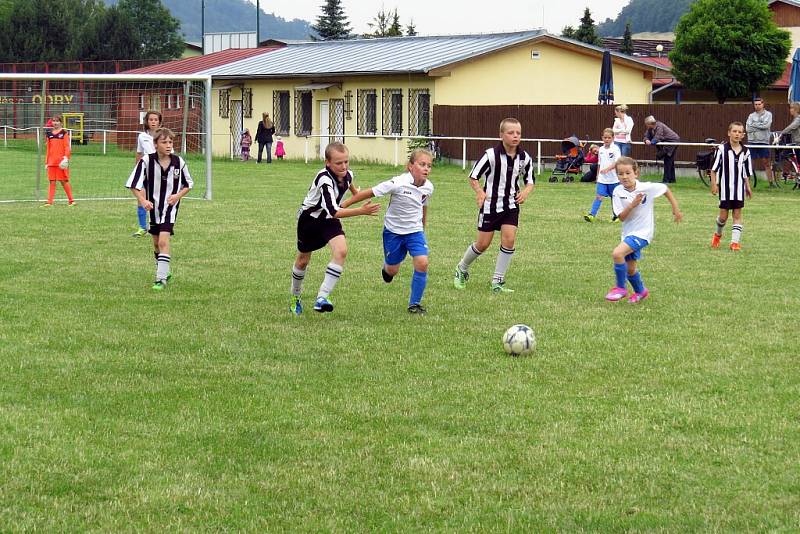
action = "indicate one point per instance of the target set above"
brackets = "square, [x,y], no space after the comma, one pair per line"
[606,94]
[794,79]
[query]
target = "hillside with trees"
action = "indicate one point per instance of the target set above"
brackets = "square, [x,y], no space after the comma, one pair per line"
[646,16]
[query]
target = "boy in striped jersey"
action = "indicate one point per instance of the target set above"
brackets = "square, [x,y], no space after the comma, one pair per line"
[318,225]
[159,181]
[730,177]
[498,201]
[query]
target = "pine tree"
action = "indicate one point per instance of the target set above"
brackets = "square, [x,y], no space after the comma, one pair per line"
[379,25]
[332,24]
[395,30]
[627,41]
[411,30]
[568,32]
[586,32]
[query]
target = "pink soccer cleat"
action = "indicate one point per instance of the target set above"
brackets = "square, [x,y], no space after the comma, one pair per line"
[638,297]
[616,293]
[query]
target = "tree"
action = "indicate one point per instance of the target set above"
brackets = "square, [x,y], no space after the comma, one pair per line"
[568,32]
[332,24]
[627,41]
[646,16]
[586,31]
[729,47]
[411,30]
[155,30]
[395,29]
[385,25]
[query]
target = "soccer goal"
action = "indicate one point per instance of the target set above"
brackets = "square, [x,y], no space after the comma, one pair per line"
[103,115]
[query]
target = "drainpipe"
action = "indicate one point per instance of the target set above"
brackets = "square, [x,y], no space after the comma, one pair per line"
[650,95]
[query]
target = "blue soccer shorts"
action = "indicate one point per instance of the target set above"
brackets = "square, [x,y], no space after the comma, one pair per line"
[395,246]
[605,190]
[637,244]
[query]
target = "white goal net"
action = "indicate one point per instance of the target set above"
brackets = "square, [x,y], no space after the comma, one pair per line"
[103,114]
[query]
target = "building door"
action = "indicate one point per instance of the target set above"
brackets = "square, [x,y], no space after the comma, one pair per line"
[237,121]
[337,120]
[324,127]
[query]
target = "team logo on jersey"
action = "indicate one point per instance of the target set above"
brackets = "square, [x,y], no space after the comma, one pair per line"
[176,173]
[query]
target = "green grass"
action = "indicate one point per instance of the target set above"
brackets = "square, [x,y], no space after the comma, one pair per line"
[207,407]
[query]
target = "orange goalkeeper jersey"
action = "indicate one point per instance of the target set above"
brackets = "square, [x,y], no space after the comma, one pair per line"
[57,147]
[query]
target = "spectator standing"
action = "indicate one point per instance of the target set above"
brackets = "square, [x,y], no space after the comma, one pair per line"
[264,133]
[759,126]
[623,127]
[658,133]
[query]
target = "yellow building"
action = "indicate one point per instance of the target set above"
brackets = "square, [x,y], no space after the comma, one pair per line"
[381,90]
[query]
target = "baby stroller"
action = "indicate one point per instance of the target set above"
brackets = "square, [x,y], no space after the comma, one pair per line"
[568,163]
[786,163]
[705,160]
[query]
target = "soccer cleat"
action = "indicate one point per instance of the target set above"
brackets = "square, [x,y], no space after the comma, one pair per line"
[736,247]
[616,294]
[169,277]
[460,280]
[295,305]
[71,205]
[588,217]
[46,205]
[416,309]
[159,285]
[386,276]
[638,297]
[139,233]
[500,287]
[715,240]
[615,219]
[323,305]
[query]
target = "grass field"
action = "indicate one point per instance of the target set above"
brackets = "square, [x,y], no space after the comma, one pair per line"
[207,407]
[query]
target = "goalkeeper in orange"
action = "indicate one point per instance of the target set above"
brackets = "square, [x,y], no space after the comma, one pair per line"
[57,160]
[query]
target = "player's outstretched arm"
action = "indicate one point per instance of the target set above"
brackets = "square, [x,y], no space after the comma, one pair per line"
[676,211]
[367,209]
[357,197]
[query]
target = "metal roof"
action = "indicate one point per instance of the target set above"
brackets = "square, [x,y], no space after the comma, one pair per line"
[198,64]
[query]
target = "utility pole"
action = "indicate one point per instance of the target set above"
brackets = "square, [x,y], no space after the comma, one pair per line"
[203,25]
[258,23]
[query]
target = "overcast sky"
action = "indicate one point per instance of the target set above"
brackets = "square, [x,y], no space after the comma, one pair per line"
[439,17]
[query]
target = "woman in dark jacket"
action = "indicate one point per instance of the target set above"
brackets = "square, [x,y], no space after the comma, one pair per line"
[264,136]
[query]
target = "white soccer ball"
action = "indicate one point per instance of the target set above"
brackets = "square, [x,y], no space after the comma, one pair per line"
[64,163]
[519,340]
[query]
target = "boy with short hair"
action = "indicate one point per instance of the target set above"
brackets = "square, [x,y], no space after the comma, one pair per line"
[57,155]
[730,177]
[159,181]
[501,167]
[318,225]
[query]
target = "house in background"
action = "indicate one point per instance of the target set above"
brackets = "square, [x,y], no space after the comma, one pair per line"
[378,89]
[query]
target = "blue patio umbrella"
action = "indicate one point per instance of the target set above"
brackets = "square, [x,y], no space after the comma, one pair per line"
[794,78]
[606,94]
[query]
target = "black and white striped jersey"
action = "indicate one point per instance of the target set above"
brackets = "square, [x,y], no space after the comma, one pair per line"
[501,174]
[159,183]
[325,194]
[732,171]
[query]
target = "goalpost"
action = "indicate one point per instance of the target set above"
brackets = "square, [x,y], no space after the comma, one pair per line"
[103,114]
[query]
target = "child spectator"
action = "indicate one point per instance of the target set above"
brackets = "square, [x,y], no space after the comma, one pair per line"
[591,158]
[144,145]
[633,204]
[498,201]
[159,181]
[404,223]
[58,153]
[318,225]
[279,150]
[607,175]
[245,143]
[730,177]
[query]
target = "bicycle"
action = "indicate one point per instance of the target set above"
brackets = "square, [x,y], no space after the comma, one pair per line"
[786,164]
[705,160]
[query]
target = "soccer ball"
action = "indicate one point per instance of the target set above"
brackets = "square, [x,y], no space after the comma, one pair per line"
[519,340]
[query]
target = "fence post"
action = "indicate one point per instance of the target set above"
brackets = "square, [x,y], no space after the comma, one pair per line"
[464,153]
[5,136]
[305,150]
[538,157]
[104,142]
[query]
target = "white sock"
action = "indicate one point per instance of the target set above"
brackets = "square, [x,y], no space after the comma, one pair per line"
[162,271]
[736,234]
[297,280]
[332,274]
[470,255]
[503,262]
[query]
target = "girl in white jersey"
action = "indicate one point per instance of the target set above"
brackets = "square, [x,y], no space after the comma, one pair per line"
[633,204]
[404,223]
[145,145]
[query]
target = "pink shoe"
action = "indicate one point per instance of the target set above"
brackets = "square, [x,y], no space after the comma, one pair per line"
[616,293]
[638,297]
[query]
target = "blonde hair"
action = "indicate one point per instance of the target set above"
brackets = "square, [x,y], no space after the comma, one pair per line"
[417,152]
[622,108]
[165,133]
[608,131]
[266,120]
[735,123]
[507,121]
[336,146]
[625,160]
[795,106]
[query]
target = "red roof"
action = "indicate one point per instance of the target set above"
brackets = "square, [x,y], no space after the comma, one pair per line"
[193,65]
[665,64]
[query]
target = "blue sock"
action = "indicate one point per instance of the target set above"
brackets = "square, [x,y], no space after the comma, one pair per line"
[595,206]
[636,282]
[142,214]
[621,273]
[418,282]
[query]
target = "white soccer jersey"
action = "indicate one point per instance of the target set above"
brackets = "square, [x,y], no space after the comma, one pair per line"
[641,220]
[732,170]
[325,194]
[159,183]
[144,143]
[606,157]
[404,214]
[502,174]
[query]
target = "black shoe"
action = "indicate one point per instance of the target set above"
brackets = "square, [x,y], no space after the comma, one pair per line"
[417,309]
[386,276]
